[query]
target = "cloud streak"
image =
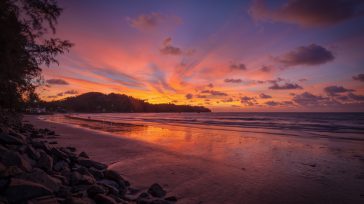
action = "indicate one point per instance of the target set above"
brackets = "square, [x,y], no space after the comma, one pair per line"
[57,82]
[308,12]
[153,20]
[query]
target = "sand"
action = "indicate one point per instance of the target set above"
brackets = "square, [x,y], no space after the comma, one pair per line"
[211,169]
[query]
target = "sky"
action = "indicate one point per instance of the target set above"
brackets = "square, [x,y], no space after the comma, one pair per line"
[256,55]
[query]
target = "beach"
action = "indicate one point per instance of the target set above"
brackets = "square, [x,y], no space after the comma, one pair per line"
[211,165]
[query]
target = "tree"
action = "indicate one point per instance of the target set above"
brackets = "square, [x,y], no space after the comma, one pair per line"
[27,29]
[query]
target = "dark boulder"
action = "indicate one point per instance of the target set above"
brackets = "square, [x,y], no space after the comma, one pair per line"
[22,190]
[157,191]
[101,198]
[11,139]
[41,177]
[98,174]
[33,153]
[61,165]
[90,163]
[84,155]
[95,189]
[12,158]
[45,162]
[44,200]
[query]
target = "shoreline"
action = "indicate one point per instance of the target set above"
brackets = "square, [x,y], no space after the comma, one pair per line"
[37,167]
[287,165]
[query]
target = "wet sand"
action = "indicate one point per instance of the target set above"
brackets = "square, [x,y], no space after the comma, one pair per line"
[214,166]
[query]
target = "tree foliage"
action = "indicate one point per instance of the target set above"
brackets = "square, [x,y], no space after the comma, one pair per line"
[27,42]
[94,102]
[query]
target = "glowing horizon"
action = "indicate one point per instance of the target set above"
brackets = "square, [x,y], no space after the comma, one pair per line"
[236,56]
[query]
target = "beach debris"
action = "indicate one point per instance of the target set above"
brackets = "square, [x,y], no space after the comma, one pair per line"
[32,170]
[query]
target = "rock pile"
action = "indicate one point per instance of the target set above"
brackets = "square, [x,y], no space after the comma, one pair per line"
[34,171]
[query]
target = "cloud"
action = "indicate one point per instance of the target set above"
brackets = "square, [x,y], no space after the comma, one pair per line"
[308,12]
[233,80]
[57,82]
[303,80]
[359,77]
[169,49]
[153,20]
[71,92]
[282,103]
[238,66]
[245,82]
[264,96]
[285,86]
[60,94]
[227,100]
[334,90]
[306,55]
[210,85]
[214,93]
[265,69]
[248,101]
[309,99]
[189,96]
[356,97]
[201,96]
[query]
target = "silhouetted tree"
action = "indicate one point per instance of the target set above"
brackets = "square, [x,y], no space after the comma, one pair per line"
[26,42]
[94,102]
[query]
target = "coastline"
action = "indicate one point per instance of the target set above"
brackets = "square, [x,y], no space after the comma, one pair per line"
[37,167]
[206,179]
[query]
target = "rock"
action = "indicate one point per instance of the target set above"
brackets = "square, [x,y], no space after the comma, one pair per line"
[3,149]
[3,184]
[84,155]
[90,163]
[22,190]
[156,190]
[77,200]
[95,189]
[60,155]
[68,152]
[72,149]
[64,192]
[159,202]
[101,198]
[34,154]
[171,199]
[41,177]
[41,145]
[113,175]
[76,178]
[12,158]
[96,173]
[44,200]
[143,195]
[11,139]
[61,165]
[108,182]
[45,162]
[11,171]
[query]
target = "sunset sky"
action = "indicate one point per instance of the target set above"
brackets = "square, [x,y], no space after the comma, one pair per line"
[282,55]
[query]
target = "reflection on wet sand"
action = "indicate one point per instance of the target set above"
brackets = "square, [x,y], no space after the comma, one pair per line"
[238,165]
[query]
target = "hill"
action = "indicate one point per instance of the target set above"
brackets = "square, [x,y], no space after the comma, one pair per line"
[95,102]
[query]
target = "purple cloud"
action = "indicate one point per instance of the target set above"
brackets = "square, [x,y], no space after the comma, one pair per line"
[57,82]
[308,12]
[306,55]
